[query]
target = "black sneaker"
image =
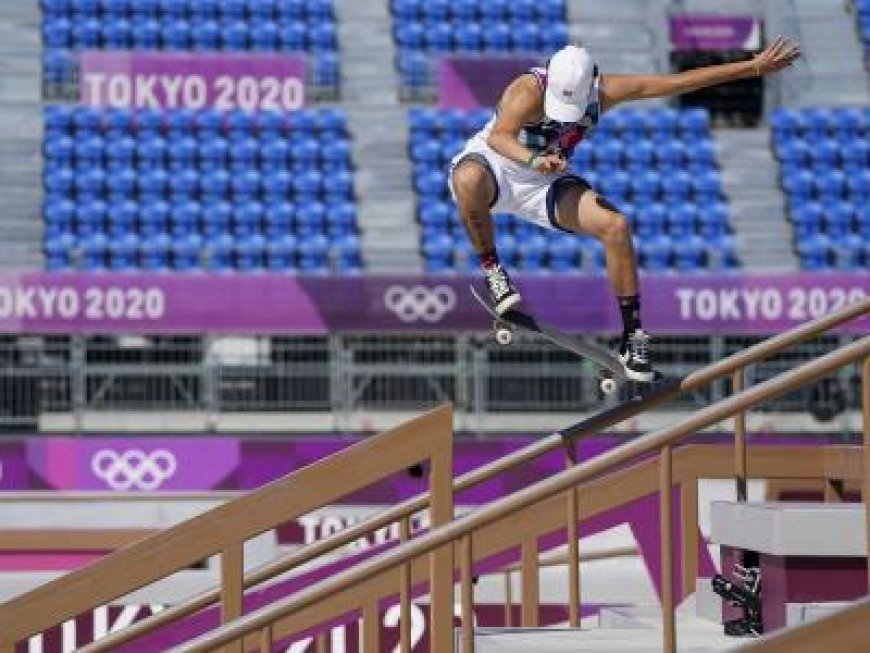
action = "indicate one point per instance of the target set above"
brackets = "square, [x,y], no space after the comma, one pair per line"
[634,355]
[502,292]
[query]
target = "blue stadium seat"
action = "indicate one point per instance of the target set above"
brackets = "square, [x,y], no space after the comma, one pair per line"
[122,216]
[346,254]
[121,182]
[149,8]
[147,34]
[58,250]
[814,252]
[655,253]
[310,217]
[314,253]
[59,214]
[280,218]
[464,10]
[123,252]
[281,252]
[293,35]
[435,10]
[406,10]
[154,252]
[234,36]
[467,36]
[184,218]
[185,252]
[493,10]
[57,33]
[690,253]
[94,250]
[204,9]
[248,218]
[497,37]
[153,218]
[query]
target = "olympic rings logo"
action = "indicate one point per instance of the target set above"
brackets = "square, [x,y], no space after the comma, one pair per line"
[134,469]
[419,303]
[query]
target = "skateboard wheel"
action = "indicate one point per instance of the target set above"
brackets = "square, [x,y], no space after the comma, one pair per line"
[504,336]
[608,386]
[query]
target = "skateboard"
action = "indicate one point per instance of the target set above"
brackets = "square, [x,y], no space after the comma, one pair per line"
[610,371]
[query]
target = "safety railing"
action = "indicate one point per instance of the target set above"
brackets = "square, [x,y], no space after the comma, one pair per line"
[733,366]
[224,530]
[270,624]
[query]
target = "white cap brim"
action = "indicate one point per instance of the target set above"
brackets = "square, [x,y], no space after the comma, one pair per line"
[561,111]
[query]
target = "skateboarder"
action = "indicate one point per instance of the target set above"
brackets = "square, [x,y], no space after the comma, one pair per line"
[518,163]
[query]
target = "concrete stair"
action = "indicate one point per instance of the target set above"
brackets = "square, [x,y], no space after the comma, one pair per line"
[379,124]
[750,177]
[601,26]
[627,630]
[21,136]
[831,71]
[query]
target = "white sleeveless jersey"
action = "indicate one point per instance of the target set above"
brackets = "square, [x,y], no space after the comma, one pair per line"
[548,135]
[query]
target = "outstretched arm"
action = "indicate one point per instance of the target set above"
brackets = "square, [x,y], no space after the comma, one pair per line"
[624,88]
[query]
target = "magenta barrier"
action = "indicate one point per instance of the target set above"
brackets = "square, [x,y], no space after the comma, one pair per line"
[203,303]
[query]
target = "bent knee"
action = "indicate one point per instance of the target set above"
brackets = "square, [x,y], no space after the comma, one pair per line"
[617,230]
[470,179]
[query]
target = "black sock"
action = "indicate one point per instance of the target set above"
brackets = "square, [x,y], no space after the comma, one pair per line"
[489,260]
[630,309]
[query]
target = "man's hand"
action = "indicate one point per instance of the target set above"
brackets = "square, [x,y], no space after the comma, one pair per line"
[781,53]
[548,164]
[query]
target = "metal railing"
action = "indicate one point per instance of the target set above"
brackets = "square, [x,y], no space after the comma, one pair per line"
[732,366]
[462,531]
[76,382]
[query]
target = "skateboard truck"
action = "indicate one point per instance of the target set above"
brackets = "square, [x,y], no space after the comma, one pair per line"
[504,335]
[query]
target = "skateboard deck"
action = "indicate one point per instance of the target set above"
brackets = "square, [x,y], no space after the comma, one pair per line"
[608,364]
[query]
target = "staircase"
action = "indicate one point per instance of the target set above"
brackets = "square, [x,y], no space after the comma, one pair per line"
[379,124]
[831,72]
[750,178]
[21,136]
[603,26]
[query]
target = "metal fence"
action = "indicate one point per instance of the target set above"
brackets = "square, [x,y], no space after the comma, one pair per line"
[344,373]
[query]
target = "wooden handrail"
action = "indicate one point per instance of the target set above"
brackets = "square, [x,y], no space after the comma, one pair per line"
[543,490]
[845,631]
[142,563]
[589,426]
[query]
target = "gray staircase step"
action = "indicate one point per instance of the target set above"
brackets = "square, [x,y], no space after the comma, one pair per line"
[750,179]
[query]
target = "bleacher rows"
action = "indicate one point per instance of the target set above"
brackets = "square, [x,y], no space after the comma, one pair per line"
[824,156]
[182,25]
[182,190]
[659,167]
[424,30]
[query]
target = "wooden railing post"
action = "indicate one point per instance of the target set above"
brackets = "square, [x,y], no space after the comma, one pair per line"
[232,589]
[531,593]
[667,567]
[689,534]
[466,563]
[405,592]
[738,383]
[441,559]
[573,536]
[370,630]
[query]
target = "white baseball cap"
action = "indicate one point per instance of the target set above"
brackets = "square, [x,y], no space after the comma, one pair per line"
[570,75]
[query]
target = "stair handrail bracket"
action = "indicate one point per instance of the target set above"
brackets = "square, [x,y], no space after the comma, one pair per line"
[461,532]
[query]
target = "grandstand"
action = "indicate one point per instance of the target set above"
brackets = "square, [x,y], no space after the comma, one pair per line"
[245,391]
